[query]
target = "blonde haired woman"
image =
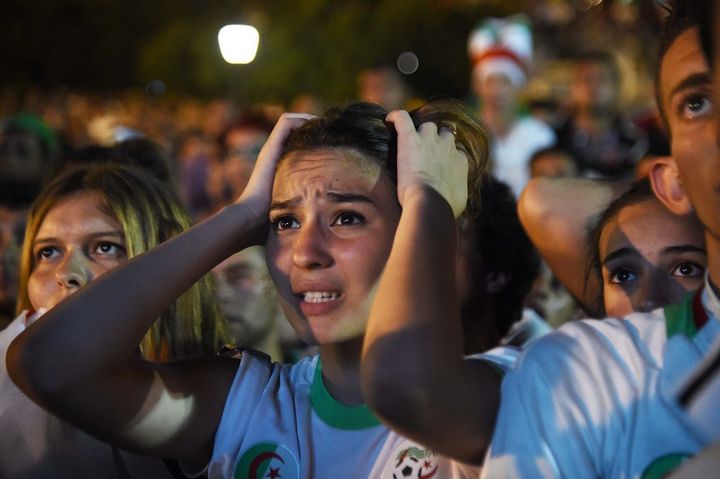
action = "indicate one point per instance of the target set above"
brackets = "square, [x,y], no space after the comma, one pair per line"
[83,224]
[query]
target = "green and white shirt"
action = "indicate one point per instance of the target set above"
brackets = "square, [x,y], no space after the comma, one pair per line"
[596,398]
[281,422]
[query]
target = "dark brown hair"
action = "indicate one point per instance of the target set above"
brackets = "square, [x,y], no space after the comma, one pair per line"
[362,127]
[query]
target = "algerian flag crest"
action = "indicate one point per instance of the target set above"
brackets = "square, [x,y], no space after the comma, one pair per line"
[267,460]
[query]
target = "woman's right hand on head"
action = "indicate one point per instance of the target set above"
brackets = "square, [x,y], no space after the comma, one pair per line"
[429,156]
[258,191]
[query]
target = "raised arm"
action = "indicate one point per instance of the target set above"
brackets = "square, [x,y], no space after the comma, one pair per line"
[413,371]
[79,360]
[556,214]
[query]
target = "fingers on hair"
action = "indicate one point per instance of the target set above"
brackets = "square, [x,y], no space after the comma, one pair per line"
[470,137]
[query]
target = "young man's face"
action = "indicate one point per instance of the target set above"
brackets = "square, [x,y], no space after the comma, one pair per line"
[686,93]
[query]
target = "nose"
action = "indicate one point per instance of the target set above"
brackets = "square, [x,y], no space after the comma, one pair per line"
[652,293]
[311,248]
[73,271]
[224,291]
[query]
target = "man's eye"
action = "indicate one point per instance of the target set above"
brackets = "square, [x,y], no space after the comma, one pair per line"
[695,106]
[285,222]
[622,276]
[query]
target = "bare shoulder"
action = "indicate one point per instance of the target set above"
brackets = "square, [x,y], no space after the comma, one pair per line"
[167,409]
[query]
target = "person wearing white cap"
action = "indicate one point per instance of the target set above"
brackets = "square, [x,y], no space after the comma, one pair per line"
[501,51]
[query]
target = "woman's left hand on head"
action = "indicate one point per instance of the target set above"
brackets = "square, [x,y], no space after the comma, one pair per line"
[429,156]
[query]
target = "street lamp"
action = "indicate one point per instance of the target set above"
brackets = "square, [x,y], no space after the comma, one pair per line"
[238,43]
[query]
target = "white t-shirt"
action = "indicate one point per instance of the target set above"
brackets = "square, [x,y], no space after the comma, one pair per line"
[36,444]
[510,155]
[596,398]
[280,421]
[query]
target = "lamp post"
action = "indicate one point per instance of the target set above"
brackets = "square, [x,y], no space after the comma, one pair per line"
[238,45]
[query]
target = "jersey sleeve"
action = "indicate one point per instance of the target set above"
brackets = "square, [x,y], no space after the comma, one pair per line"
[555,410]
[502,358]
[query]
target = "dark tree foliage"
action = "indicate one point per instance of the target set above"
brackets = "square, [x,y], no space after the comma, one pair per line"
[305,46]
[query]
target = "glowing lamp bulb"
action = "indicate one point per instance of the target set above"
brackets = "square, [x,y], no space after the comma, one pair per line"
[238,43]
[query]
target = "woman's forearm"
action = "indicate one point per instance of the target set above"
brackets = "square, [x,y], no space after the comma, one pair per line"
[98,329]
[414,374]
[557,214]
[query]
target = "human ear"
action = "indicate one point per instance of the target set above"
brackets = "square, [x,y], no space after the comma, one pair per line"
[668,187]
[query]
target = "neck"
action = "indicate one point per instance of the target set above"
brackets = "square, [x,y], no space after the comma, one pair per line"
[480,320]
[341,371]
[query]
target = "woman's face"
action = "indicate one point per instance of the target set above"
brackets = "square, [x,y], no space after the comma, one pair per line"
[76,242]
[650,258]
[333,216]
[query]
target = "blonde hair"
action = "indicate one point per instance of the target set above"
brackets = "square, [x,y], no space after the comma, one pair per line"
[150,213]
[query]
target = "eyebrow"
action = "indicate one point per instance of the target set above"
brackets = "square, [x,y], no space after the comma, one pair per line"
[686,248]
[627,251]
[335,197]
[349,198]
[239,267]
[52,239]
[620,253]
[284,204]
[694,80]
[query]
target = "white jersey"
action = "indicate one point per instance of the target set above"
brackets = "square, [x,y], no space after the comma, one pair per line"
[597,397]
[36,444]
[280,421]
[510,155]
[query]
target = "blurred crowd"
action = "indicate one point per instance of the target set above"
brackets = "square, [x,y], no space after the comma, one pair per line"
[207,148]
[567,224]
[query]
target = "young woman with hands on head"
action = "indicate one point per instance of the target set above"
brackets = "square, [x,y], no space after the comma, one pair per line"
[325,198]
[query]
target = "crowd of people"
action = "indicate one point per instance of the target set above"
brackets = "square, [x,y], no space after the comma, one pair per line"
[388,288]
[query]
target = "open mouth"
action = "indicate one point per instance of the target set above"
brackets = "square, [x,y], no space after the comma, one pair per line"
[319,296]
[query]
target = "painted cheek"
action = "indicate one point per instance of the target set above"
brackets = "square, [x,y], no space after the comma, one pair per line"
[684,284]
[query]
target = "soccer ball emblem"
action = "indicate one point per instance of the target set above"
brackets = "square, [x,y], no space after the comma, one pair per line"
[409,467]
[414,463]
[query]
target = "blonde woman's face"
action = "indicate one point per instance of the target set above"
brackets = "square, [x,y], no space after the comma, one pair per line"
[76,243]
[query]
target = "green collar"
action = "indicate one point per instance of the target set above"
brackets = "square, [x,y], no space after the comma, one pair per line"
[336,414]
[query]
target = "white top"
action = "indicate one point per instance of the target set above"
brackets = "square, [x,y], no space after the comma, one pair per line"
[596,398]
[510,155]
[280,421]
[35,444]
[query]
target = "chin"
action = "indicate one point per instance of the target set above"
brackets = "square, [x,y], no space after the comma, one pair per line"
[337,339]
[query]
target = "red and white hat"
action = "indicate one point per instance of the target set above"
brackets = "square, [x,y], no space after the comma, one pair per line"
[502,46]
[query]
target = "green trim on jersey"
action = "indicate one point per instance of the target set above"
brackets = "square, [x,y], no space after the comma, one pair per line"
[663,465]
[336,414]
[679,318]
